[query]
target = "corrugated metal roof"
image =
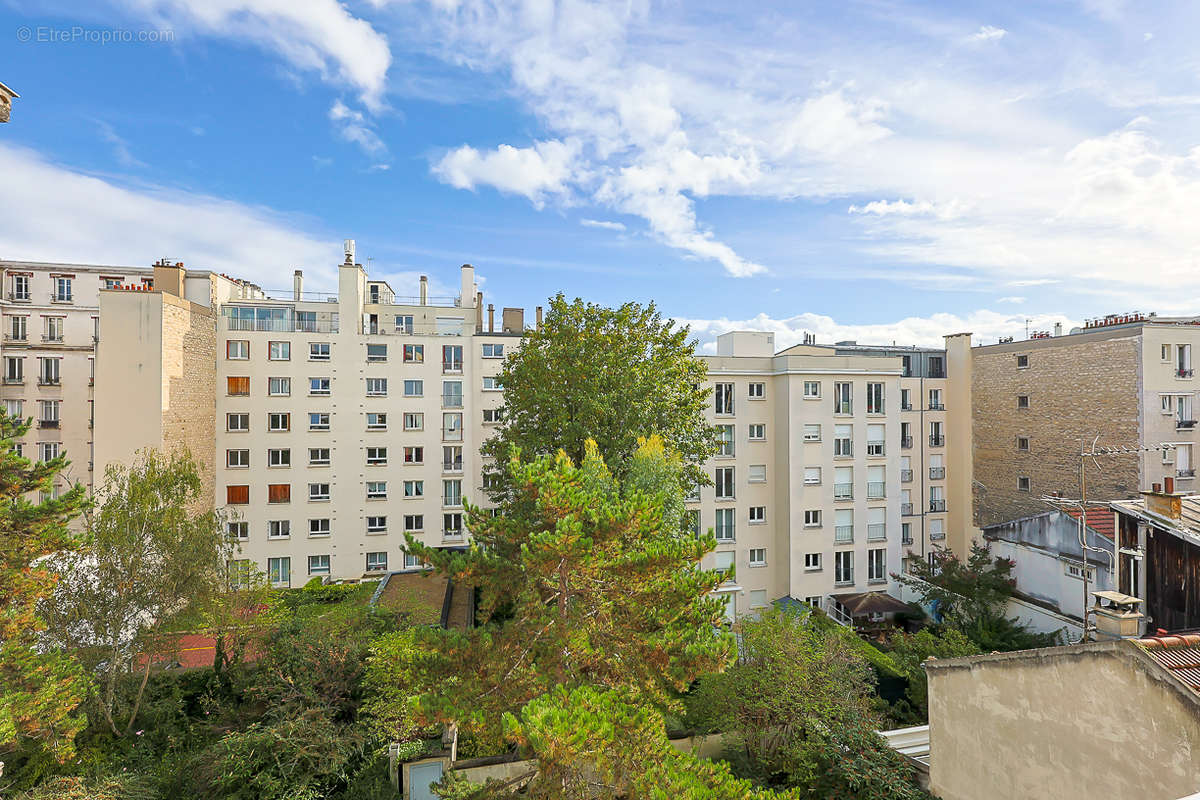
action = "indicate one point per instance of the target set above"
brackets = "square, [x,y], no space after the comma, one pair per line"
[1179,653]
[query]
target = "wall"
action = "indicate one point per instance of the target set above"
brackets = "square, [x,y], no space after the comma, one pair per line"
[1068,723]
[960,445]
[189,386]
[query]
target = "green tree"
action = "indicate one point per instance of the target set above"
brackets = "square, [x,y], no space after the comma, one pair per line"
[589,587]
[151,554]
[909,652]
[610,375]
[39,687]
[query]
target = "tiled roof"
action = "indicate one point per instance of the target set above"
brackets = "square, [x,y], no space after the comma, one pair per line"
[1098,519]
[1179,653]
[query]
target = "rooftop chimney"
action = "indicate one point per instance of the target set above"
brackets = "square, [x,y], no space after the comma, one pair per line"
[479,312]
[424,290]
[491,318]
[1058,329]
[538,311]
[348,247]
[297,285]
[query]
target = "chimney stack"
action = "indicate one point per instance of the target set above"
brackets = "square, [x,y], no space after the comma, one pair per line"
[1169,484]
[479,312]
[297,286]
[1058,329]
[348,247]
[538,311]
[424,290]
[491,318]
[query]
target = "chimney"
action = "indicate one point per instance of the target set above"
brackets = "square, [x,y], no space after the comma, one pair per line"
[1058,329]
[513,320]
[424,290]
[468,285]
[479,312]
[297,285]
[1169,484]
[169,278]
[348,248]
[538,311]
[491,318]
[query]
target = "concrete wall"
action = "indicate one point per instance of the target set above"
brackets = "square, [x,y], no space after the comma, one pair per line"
[1068,723]
[189,386]
[960,445]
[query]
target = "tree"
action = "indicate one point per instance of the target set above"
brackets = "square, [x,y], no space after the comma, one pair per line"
[148,557]
[39,687]
[590,587]
[609,375]
[909,652]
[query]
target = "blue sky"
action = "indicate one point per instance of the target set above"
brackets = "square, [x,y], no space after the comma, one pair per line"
[873,170]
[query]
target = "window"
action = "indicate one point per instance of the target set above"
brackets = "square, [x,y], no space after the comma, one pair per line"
[725,440]
[493,415]
[452,525]
[936,438]
[54,329]
[318,527]
[318,351]
[691,522]
[1023,483]
[376,490]
[238,531]
[318,456]
[937,529]
[874,398]
[21,287]
[758,556]
[279,529]
[452,429]
[279,387]
[412,562]
[905,401]
[758,514]
[318,565]
[14,408]
[1022,361]
[937,367]
[414,488]
[18,330]
[14,370]
[62,290]
[452,394]
[404,323]
[376,456]
[843,567]
[876,524]
[725,525]
[237,387]
[492,384]
[1074,570]
[812,389]
[876,482]
[376,524]
[843,483]
[279,423]
[935,400]
[237,459]
[376,387]
[877,565]
[414,388]
[48,451]
[279,493]
[812,518]
[812,562]
[812,476]
[843,441]
[1022,401]
[452,458]
[876,440]
[758,473]
[318,421]
[905,533]
[758,598]
[237,422]
[414,354]
[493,351]
[757,432]
[376,353]
[51,373]
[905,366]
[843,398]
[49,413]
[1183,366]
[452,493]
[238,495]
[724,483]
[452,358]
[843,526]
[376,562]
[279,351]
[723,396]
[812,432]
[414,522]
[757,391]
[318,386]
[1023,443]
[414,455]
[376,421]
[414,422]
[279,572]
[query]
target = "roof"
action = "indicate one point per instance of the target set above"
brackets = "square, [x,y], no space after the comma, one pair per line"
[8,91]
[862,603]
[1187,527]
[1178,653]
[1098,519]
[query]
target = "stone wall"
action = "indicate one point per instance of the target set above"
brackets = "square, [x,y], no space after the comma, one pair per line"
[1077,389]
[189,336]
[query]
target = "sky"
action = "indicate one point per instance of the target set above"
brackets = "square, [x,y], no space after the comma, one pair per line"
[871,170]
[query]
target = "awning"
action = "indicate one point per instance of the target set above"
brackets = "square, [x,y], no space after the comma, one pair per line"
[860,604]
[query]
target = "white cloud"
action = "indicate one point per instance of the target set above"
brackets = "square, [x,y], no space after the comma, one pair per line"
[1011,299]
[602,223]
[50,212]
[988,33]
[532,172]
[320,35]
[120,147]
[353,126]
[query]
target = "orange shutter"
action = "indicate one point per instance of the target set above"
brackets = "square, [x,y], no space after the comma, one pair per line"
[237,495]
[239,385]
[279,493]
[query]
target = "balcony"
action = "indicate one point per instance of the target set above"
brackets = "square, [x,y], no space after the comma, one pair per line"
[906,442]
[452,466]
[46,380]
[876,490]
[452,367]
[876,532]
[937,441]
[452,434]
[937,505]
[453,534]
[906,476]
[452,401]
[937,406]
[1185,473]
[843,534]
[937,536]
[937,473]
[1184,373]
[906,509]
[48,423]
[1185,424]
[906,406]
[906,540]
[19,297]
[843,491]
[52,338]
[22,339]
[59,297]
[936,372]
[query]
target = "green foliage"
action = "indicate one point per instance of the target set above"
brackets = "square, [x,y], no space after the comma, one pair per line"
[390,689]
[610,375]
[588,587]
[909,651]
[39,688]
[125,787]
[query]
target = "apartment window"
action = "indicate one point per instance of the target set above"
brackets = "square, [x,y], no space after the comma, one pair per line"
[414,488]
[237,422]
[1075,570]
[48,451]
[376,353]
[493,415]
[936,438]
[62,290]
[279,529]
[279,351]
[414,388]
[877,565]
[812,518]
[876,524]
[279,457]
[691,522]
[319,527]
[318,351]
[1183,366]
[1023,443]
[812,432]
[318,565]
[414,455]
[318,421]
[937,498]
[412,562]
[237,459]
[905,402]
[18,329]
[237,386]
[812,389]
[238,531]
[238,495]
[452,458]
[318,386]
[757,474]
[452,430]
[758,598]
[452,525]
[376,490]
[414,354]
[54,329]
[874,398]
[414,422]
[377,562]
[757,391]
[376,456]
[404,323]
[1183,461]
[51,374]
[493,351]
[1022,401]
[49,413]
[376,421]
[843,483]
[843,398]
[452,358]
[758,514]
[1023,483]
[279,387]
[21,287]
[725,525]
[725,440]
[14,370]
[876,440]
[452,394]
[843,526]
[812,562]
[876,482]
[937,367]
[414,522]
[724,483]
[758,432]
[279,423]
[843,567]
[937,529]
[318,456]
[935,400]
[758,556]
[905,366]
[906,533]
[452,493]
[723,397]
[14,408]
[843,441]
[1022,361]
[812,476]
[376,524]
[279,493]
[492,384]
[279,572]
[376,387]
[1165,352]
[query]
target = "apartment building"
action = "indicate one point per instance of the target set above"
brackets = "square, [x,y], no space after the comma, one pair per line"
[810,497]
[1035,404]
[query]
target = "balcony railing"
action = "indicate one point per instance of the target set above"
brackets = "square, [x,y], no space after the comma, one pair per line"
[906,442]
[843,491]
[452,533]
[1185,424]
[937,505]
[1183,373]
[452,434]
[937,536]
[58,297]
[47,423]
[936,441]
[937,473]
[46,380]
[843,534]
[19,297]
[876,490]
[876,532]
[452,401]
[1185,473]
[906,540]
[906,476]
[937,406]
[906,406]
[51,338]
[452,466]
[906,509]
[452,367]
[13,381]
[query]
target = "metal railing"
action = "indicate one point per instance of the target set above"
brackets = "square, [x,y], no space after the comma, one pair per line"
[47,423]
[937,505]
[56,297]
[906,406]
[937,406]
[843,491]
[906,509]
[906,442]
[843,534]
[834,610]
[936,441]
[52,338]
[452,466]
[906,476]
[876,532]
[452,401]
[1185,473]
[19,297]
[46,380]
[937,473]
[876,490]
[1185,424]
[1184,373]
